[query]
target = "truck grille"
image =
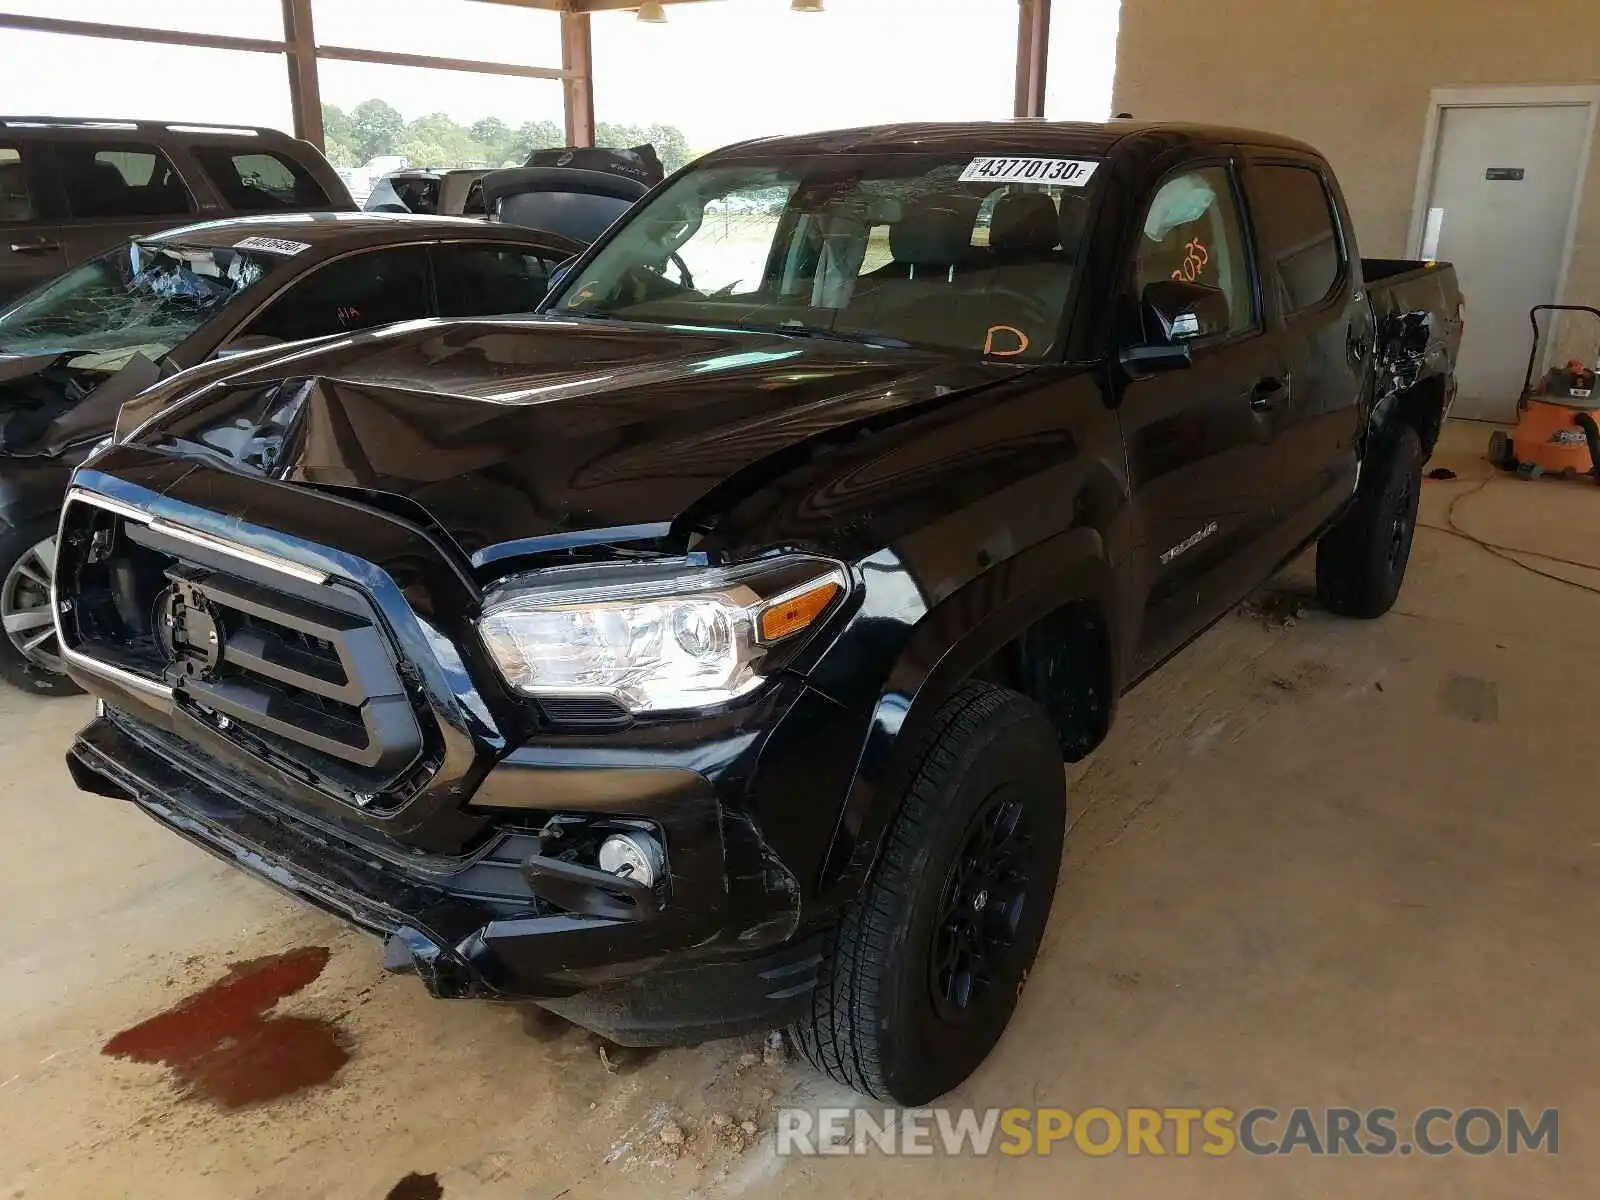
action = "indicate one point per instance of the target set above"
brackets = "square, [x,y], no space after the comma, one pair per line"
[289,666]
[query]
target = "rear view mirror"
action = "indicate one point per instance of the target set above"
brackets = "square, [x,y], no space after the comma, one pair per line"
[1185,311]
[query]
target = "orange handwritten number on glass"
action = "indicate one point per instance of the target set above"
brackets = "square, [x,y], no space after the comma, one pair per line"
[1195,260]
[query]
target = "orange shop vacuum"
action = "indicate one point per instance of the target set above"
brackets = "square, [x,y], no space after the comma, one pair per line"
[1556,431]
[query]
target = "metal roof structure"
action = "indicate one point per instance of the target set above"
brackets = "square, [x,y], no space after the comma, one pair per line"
[301,51]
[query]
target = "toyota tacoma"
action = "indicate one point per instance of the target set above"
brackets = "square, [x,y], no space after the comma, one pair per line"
[700,653]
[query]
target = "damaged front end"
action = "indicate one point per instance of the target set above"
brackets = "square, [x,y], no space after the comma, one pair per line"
[341,723]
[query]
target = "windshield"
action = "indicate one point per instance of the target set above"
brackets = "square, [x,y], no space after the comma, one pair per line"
[139,297]
[965,254]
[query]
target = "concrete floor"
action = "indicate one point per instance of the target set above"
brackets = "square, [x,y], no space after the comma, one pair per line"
[1311,866]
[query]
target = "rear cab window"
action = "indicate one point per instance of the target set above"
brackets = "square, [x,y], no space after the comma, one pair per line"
[112,181]
[253,181]
[1303,256]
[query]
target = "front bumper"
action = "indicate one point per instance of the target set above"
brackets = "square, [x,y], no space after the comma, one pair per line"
[471,926]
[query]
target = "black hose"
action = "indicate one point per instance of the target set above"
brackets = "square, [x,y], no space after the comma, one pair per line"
[1591,433]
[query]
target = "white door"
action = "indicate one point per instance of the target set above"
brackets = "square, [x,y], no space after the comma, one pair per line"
[1499,208]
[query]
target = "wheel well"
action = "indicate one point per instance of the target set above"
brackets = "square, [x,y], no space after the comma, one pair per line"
[1063,662]
[1422,408]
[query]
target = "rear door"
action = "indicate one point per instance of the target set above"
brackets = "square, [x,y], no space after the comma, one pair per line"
[1202,457]
[30,239]
[1322,322]
[116,190]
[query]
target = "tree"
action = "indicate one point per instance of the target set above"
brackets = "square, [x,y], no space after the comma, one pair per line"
[376,128]
[420,152]
[531,136]
[491,132]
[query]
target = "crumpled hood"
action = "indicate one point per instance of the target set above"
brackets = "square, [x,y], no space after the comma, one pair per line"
[55,399]
[526,430]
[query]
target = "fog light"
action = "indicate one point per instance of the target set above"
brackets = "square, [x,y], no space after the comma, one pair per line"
[635,856]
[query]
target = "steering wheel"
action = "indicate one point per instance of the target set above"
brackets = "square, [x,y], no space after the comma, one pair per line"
[676,260]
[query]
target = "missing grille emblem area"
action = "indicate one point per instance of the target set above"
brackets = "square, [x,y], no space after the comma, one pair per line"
[189,631]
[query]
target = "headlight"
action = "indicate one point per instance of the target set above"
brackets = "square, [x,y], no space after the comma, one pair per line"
[654,638]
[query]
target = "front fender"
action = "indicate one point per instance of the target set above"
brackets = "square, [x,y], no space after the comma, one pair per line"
[951,640]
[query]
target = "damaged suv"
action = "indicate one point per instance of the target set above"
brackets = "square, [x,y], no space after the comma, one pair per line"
[700,655]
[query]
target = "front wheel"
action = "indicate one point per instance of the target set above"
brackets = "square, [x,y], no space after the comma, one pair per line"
[1361,561]
[30,658]
[924,969]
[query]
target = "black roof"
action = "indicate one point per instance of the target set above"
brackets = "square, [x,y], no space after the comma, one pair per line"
[339,231]
[1020,137]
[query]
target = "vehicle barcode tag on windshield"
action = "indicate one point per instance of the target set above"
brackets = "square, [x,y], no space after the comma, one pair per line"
[1063,172]
[272,245]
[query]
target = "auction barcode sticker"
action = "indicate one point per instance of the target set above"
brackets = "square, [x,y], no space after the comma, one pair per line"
[272,245]
[1065,172]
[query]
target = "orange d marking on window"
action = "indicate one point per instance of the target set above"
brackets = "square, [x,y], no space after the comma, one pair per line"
[1021,338]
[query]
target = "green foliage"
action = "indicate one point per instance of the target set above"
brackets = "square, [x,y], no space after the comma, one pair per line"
[375,127]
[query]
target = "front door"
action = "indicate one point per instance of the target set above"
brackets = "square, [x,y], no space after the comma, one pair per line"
[1499,207]
[1200,441]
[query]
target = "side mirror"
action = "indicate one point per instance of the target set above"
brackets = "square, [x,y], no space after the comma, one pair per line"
[1140,361]
[1186,311]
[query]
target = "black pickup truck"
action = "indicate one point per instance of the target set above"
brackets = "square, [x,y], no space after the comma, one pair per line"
[699,655]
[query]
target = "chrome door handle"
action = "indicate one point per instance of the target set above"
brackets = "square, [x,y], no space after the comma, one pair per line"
[35,247]
[1266,392]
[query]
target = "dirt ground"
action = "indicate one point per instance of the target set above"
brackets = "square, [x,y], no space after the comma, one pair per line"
[1317,863]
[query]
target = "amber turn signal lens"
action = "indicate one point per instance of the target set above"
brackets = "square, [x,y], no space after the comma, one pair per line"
[793,613]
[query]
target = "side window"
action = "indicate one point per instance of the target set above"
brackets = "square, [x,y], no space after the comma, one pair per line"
[260,180]
[120,181]
[479,281]
[15,204]
[1302,253]
[365,290]
[1192,232]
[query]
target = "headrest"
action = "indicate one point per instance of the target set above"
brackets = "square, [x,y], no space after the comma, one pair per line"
[1024,223]
[1074,224]
[935,231]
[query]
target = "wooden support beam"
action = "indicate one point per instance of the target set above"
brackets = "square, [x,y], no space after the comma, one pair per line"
[305,88]
[1033,56]
[577,66]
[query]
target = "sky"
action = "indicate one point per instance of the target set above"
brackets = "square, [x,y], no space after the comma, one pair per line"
[721,71]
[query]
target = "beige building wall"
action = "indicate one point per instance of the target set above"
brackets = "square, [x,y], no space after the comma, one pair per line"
[1354,77]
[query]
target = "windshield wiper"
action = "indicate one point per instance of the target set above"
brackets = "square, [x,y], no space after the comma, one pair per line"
[820,333]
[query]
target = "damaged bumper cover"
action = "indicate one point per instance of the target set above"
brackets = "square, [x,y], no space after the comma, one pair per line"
[713,959]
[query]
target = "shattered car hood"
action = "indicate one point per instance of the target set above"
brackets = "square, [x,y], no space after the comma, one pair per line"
[513,432]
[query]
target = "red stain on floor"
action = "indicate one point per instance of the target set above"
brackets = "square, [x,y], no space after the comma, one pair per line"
[222,1045]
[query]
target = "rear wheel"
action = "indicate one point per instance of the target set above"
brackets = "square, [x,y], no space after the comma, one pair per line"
[923,971]
[30,657]
[1361,561]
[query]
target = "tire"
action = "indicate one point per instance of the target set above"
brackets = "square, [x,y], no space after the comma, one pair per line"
[901,1012]
[29,657]
[1361,561]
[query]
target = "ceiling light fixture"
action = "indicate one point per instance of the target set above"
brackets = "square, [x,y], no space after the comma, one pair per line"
[651,12]
[806,6]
